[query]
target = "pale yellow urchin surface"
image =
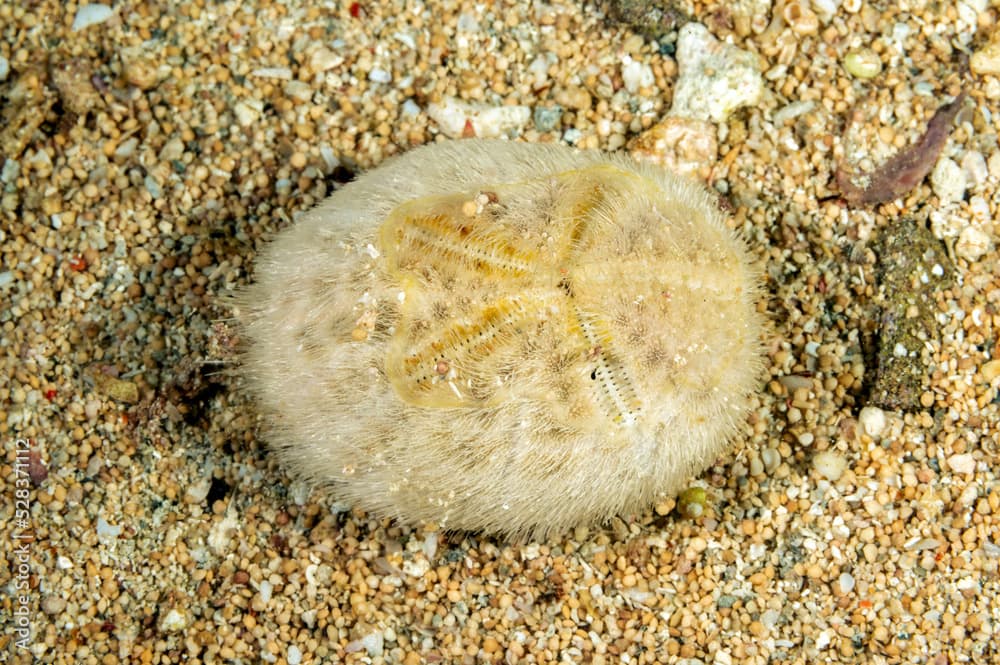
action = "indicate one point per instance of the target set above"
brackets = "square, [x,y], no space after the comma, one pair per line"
[504,337]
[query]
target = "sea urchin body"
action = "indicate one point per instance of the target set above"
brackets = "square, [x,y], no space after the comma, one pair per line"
[504,337]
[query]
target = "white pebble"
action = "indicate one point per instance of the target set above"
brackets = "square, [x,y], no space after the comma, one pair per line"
[373,644]
[127,147]
[791,111]
[94,466]
[974,166]
[969,584]
[825,9]
[153,187]
[329,157]
[379,76]
[416,567]
[980,210]
[430,545]
[830,465]
[4,68]
[972,243]
[273,73]
[872,421]
[920,544]
[406,39]
[265,591]
[175,621]
[986,60]
[467,23]
[968,496]
[294,655]
[962,463]
[410,109]
[636,75]
[299,90]
[221,534]
[107,533]
[89,15]
[539,68]
[771,458]
[948,181]
[246,113]
[324,59]
[6,277]
[40,160]
[9,172]
[198,492]
[172,149]
[770,618]
[846,582]
[993,164]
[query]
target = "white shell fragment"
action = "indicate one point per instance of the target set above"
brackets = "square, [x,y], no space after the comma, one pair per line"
[948,181]
[107,533]
[636,75]
[863,63]
[89,15]
[455,118]
[962,463]
[830,465]
[174,621]
[972,243]
[873,421]
[504,337]
[247,112]
[715,78]
[985,61]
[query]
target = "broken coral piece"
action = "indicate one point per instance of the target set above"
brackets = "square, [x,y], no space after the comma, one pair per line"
[715,78]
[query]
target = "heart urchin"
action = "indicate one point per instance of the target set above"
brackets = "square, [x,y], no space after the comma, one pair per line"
[504,337]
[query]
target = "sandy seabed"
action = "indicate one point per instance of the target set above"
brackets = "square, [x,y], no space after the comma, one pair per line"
[148,155]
